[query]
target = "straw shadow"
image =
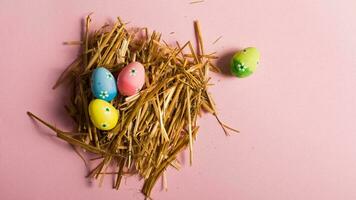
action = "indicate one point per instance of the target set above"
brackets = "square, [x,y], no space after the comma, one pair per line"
[51,135]
[182,156]
[224,62]
[43,130]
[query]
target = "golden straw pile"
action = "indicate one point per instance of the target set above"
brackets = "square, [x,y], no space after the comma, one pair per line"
[156,124]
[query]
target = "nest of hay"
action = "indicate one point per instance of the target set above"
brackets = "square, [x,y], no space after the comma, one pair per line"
[156,124]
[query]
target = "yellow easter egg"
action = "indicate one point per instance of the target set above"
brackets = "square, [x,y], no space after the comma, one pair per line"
[103,115]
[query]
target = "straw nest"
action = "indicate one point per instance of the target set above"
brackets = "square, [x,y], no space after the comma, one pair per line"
[156,124]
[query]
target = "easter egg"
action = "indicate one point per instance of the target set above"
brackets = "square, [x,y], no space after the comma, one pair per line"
[103,115]
[244,62]
[131,79]
[103,84]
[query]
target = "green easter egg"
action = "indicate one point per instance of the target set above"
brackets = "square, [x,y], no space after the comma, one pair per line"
[244,62]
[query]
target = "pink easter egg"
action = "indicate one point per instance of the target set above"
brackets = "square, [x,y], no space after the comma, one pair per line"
[131,79]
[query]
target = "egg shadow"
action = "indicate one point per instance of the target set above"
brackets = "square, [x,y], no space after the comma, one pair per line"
[224,62]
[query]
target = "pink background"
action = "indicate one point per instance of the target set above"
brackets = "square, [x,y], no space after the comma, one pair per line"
[296,114]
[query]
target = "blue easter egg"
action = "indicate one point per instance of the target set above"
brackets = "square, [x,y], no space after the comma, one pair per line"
[103,84]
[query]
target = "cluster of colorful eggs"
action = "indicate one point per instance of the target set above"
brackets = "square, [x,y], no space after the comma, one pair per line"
[131,79]
[105,88]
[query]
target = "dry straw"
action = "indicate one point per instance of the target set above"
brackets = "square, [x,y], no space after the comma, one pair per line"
[156,124]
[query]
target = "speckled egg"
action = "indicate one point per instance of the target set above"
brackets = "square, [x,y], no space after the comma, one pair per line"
[103,115]
[131,79]
[244,62]
[103,84]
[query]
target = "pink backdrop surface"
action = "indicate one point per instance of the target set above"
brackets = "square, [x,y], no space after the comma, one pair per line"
[296,114]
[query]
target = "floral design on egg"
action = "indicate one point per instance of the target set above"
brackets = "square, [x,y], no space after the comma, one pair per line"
[109,76]
[133,72]
[241,67]
[104,94]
